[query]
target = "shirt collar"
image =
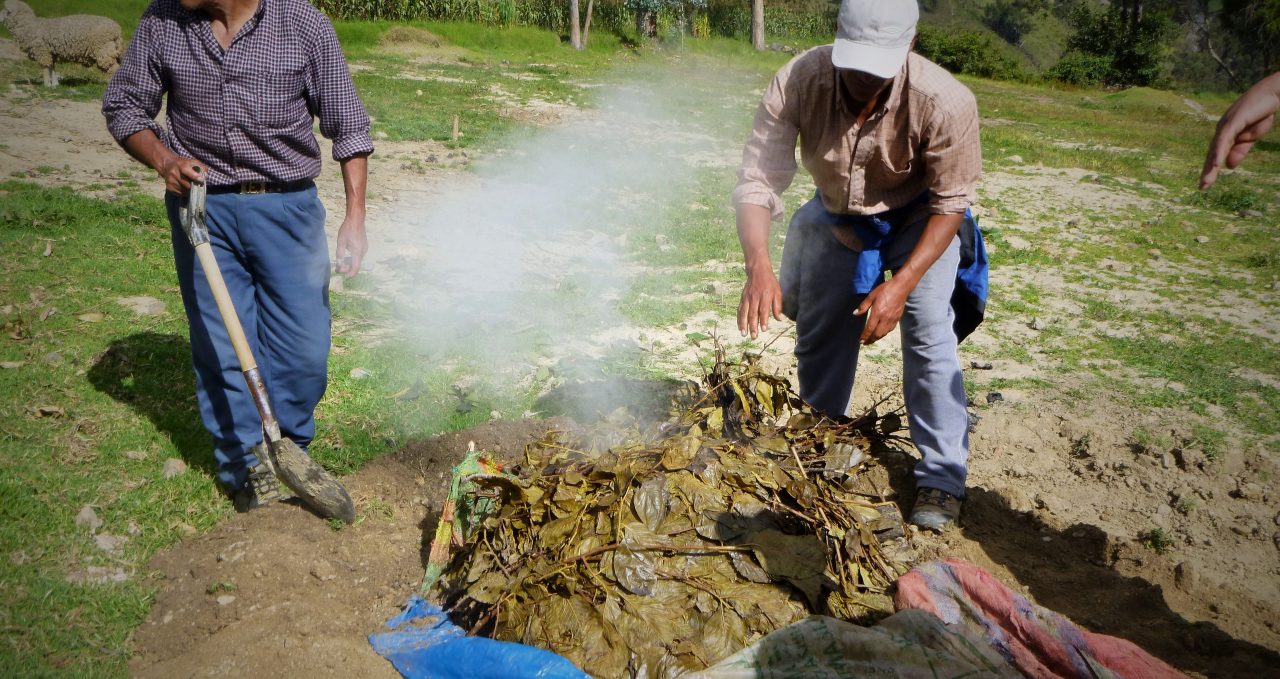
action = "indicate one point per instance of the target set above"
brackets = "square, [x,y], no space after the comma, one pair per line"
[200,17]
[887,99]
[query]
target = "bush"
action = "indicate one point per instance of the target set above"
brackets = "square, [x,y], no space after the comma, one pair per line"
[967,52]
[1084,70]
[1133,51]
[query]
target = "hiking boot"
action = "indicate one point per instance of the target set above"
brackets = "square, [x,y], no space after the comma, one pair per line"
[935,510]
[261,489]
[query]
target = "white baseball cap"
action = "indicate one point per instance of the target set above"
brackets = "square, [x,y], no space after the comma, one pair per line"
[875,35]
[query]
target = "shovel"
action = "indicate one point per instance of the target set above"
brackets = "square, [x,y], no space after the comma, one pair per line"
[308,480]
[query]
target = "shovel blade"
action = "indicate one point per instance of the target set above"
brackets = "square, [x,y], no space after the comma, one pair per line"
[310,482]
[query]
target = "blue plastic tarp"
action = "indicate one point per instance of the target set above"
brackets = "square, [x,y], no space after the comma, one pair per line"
[422,643]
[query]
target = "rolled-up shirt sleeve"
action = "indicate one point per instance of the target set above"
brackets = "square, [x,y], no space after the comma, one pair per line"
[332,97]
[953,154]
[769,157]
[134,94]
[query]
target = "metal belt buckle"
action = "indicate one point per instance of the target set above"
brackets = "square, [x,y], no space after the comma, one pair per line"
[253,187]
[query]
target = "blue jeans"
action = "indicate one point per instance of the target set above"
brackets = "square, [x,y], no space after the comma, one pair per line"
[817,289]
[274,256]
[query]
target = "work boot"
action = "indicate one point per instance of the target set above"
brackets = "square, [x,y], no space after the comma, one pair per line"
[935,510]
[260,489]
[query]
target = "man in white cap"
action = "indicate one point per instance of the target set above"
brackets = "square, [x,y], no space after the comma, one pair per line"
[891,140]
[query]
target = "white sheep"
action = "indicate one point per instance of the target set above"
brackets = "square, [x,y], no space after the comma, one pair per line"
[78,39]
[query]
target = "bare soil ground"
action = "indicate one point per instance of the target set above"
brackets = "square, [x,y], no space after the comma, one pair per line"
[279,593]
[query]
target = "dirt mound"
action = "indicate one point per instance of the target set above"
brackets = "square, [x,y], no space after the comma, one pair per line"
[278,592]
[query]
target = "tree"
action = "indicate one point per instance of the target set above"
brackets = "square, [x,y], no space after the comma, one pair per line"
[1012,19]
[757,24]
[578,36]
[1123,43]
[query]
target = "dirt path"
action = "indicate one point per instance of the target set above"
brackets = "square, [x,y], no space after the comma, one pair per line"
[1059,496]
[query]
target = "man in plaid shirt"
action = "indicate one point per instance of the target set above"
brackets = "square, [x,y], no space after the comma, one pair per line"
[244,80]
[891,141]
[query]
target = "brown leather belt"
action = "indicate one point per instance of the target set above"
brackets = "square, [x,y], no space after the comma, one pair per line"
[263,187]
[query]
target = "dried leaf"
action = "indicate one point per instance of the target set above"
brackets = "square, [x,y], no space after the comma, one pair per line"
[652,501]
[798,559]
[746,566]
[680,453]
[635,571]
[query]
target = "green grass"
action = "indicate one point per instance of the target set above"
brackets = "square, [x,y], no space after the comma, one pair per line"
[88,393]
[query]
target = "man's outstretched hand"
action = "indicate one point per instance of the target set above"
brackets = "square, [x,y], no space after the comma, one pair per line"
[1247,121]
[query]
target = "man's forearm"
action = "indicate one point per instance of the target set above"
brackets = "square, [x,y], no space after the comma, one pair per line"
[355,176]
[753,233]
[146,148]
[938,234]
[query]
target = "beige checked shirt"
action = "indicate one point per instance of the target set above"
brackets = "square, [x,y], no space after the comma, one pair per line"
[925,137]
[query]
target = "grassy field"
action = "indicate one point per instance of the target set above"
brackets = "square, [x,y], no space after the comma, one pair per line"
[95,395]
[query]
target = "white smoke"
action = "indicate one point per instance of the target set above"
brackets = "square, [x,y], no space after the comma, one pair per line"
[518,266]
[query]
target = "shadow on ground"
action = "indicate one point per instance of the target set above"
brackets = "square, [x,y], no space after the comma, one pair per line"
[1074,571]
[151,373]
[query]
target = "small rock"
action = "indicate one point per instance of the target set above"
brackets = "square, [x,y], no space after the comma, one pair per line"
[12,365]
[186,529]
[143,306]
[1154,253]
[133,529]
[336,283]
[173,467]
[1166,461]
[664,243]
[1036,324]
[380,134]
[1046,539]
[225,599]
[109,543]
[359,373]
[168,618]
[92,317]
[52,357]
[1015,159]
[1251,214]
[994,396]
[1202,239]
[1248,490]
[1163,510]
[1017,472]
[136,454]
[323,571]
[983,365]
[1186,576]
[89,519]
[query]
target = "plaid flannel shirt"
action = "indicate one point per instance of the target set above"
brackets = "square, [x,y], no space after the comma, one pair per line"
[923,138]
[245,111]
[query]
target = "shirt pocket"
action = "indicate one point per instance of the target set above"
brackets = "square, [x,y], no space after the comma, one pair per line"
[890,173]
[278,100]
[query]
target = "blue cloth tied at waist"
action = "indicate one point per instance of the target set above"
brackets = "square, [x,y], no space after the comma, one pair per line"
[876,232]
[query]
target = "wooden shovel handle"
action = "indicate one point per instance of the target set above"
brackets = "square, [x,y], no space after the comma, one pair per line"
[248,366]
[228,310]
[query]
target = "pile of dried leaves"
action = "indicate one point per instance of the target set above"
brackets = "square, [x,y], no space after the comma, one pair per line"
[654,556]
